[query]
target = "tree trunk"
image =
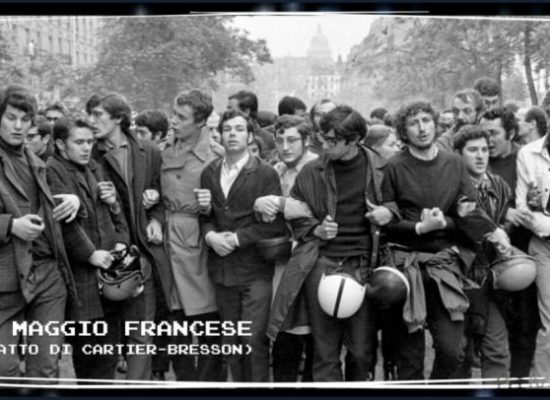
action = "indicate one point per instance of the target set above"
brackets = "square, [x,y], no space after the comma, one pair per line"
[527,29]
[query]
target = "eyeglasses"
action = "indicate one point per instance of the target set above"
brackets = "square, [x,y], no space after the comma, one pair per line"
[290,140]
[52,119]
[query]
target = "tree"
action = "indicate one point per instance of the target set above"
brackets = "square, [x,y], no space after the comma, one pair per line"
[150,60]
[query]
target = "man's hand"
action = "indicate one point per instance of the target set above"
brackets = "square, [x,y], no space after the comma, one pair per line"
[223,243]
[204,198]
[107,192]
[378,215]
[534,197]
[327,230]
[154,232]
[431,220]
[68,208]
[150,198]
[27,227]
[101,258]
[501,241]
[268,206]
[517,217]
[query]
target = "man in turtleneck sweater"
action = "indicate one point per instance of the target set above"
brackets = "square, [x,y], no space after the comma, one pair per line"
[338,188]
[35,277]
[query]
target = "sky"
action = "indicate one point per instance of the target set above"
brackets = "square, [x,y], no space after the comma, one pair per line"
[290,34]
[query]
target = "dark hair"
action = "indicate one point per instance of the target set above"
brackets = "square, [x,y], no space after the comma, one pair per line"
[507,119]
[537,114]
[117,107]
[248,101]
[487,87]
[154,120]
[266,118]
[92,102]
[389,120]
[466,133]
[289,105]
[64,126]
[230,114]
[42,126]
[379,113]
[467,95]
[377,134]
[258,141]
[512,107]
[312,111]
[18,97]
[290,121]
[199,102]
[346,122]
[57,106]
[410,110]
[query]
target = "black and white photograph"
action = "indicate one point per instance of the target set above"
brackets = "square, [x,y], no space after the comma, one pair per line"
[274,200]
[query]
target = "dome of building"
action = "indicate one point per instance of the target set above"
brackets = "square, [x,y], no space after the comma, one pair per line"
[319,49]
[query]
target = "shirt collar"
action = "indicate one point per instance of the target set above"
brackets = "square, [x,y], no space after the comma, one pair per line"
[239,165]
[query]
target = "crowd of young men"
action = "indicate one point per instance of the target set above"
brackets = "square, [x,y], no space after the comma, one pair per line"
[199,194]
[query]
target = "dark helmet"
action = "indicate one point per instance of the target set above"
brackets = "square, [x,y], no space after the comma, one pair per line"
[387,286]
[126,276]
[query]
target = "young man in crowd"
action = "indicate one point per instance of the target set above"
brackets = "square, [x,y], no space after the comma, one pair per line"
[54,112]
[152,125]
[533,164]
[486,329]
[124,158]
[38,139]
[490,93]
[243,280]
[292,136]
[184,158]
[377,116]
[436,223]
[315,114]
[35,277]
[338,187]
[467,107]
[100,227]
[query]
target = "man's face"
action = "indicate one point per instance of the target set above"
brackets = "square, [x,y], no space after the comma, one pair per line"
[476,156]
[389,147]
[143,132]
[14,125]
[491,102]
[78,146]
[376,121]
[320,111]
[336,148]
[421,130]
[235,136]
[34,142]
[53,115]
[104,125]
[233,105]
[525,127]
[464,112]
[499,146]
[300,112]
[290,146]
[445,122]
[183,122]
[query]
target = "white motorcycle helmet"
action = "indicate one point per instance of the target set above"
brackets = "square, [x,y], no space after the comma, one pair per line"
[515,272]
[340,295]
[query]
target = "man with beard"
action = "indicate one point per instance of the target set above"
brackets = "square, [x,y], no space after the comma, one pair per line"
[292,136]
[436,222]
[467,106]
[490,93]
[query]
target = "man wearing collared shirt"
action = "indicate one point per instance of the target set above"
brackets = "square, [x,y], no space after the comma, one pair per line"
[533,164]
[292,136]
[243,279]
[185,156]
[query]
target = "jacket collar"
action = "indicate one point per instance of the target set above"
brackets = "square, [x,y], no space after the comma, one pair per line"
[201,147]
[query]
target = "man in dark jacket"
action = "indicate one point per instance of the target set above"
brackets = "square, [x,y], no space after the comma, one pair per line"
[338,187]
[33,263]
[243,279]
[102,224]
[435,225]
[134,168]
